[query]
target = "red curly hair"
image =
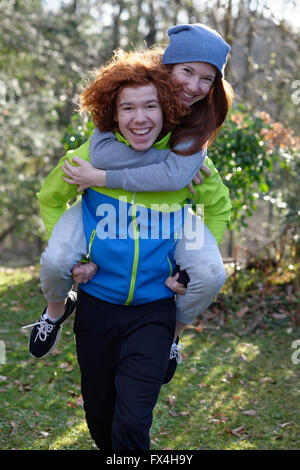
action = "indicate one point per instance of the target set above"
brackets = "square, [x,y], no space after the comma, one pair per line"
[130,69]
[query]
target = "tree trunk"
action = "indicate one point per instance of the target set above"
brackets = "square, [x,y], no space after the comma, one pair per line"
[248,49]
[116,25]
[7,231]
[151,36]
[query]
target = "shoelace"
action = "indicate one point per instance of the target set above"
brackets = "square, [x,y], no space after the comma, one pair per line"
[43,330]
[176,352]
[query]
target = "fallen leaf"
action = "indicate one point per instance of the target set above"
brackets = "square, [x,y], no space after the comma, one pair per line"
[70,403]
[279,316]
[27,387]
[171,400]
[263,380]
[184,413]
[242,358]
[223,418]
[66,366]
[56,352]
[79,401]
[237,431]
[250,413]
[14,309]
[242,312]
[200,327]
[218,418]
[14,428]
[283,425]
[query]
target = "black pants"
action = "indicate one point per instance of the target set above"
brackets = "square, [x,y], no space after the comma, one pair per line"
[123,354]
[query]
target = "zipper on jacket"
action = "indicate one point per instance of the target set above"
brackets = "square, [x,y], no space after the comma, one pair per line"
[136,255]
[88,256]
[170,264]
[171,267]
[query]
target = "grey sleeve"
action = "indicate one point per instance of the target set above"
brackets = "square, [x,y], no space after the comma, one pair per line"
[152,170]
[173,174]
[107,153]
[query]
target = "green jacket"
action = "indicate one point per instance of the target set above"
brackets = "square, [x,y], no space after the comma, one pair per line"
[56,193]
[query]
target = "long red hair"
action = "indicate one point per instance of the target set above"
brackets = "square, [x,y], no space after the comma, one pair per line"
[202,125]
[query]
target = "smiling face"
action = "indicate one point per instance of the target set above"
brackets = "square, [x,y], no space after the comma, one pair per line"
[139,115]
[195,80]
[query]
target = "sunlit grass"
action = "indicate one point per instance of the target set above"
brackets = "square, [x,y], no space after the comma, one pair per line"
[229,392]
[73,437]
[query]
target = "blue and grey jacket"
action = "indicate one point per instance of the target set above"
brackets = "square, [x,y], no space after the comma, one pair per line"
[132,240]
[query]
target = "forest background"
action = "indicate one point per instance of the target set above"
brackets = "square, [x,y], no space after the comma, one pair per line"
[48,48]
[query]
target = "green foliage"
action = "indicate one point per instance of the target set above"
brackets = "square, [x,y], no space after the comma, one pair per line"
[43,58]
[257,158]
[77,132]
[241,156]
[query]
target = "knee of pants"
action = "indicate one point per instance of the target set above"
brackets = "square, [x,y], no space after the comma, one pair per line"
[55,265]
[209,278]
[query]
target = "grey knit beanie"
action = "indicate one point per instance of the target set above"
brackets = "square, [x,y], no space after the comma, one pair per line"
[196,43]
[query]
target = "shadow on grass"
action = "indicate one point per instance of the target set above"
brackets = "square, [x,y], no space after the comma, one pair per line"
[228,393]
[232,393]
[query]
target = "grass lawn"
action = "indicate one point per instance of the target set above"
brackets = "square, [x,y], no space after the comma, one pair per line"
[230,392]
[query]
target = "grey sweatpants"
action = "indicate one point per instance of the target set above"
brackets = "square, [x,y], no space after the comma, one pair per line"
[198,254]
[66,247]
